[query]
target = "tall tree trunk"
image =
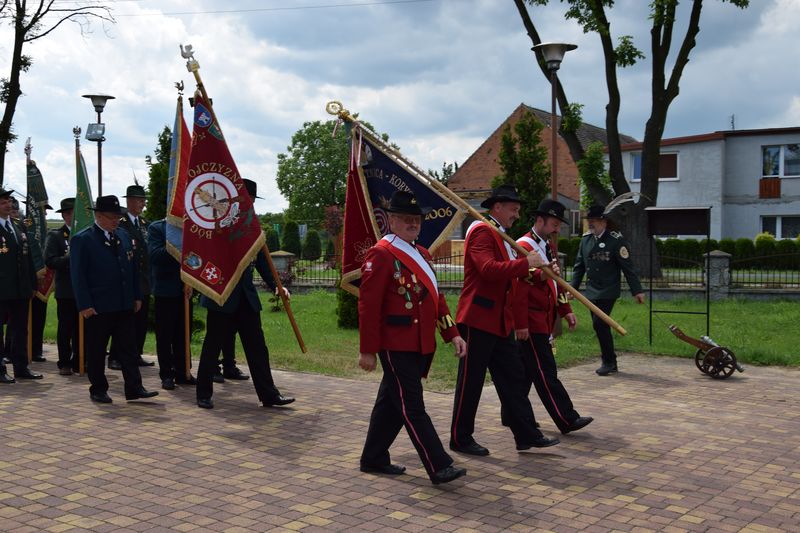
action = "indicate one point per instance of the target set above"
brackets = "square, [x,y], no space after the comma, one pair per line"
[13,92]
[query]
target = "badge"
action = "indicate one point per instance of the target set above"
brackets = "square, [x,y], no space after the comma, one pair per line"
[602,245]
[623,252]
[396,275]
[401,290]
[409,305]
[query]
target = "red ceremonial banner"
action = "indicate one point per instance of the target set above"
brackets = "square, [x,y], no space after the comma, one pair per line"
[221,233]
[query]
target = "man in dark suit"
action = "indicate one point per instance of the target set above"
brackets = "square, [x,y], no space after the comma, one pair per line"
[17,281]
[136,227]
[106,284]
[485,321]
[169,293]
[241,313]
[400,307]
[56,257]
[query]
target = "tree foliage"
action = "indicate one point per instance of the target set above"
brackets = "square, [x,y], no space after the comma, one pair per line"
[32,21]
[443,176]
[312,174]
[290,241]
[592,173]
[523,161]
[312,247]
[159,176]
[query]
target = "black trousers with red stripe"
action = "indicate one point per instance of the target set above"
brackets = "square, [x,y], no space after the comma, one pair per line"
[399,403]
[499,355]
[541,370]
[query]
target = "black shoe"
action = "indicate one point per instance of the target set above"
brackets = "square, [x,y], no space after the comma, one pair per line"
[578,423]
[447,474]
[234,373]
[113,364]
[140,393]
[27,374]
[605,369]
[100,397]
[142,362]
[280,399]
[217,377]
[39,359]
[391,470]
[168,384]
[472,448]
[205,403]
[539,442]
[184,381]
[5,378]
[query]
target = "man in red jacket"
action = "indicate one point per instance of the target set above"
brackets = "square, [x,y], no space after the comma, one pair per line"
[399,309]
[484,317]
[538,304]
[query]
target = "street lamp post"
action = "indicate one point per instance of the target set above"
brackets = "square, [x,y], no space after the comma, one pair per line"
[553,55]
[96,132]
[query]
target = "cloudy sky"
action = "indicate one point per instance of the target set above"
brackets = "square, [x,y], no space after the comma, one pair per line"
[437,75]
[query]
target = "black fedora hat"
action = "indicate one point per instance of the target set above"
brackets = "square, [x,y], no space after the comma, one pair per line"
[252,188]
[503,193]
[4,193]
[135,191]
[596,211]
[551,208]
[67,204]
[109,204]
[405,203]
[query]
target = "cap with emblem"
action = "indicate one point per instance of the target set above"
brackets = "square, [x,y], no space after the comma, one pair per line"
[108,204]
[503,193]
[405,203]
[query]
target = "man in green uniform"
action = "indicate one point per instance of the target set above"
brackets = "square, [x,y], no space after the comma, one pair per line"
[601,256]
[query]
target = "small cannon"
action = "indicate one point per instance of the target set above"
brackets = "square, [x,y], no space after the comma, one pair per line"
[712,359]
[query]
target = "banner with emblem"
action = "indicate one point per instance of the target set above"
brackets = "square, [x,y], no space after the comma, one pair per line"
[221,232]
[176,184]
[82,214]
[376,171]
[36,226]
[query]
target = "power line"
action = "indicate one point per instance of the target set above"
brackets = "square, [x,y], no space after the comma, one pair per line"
[283,8]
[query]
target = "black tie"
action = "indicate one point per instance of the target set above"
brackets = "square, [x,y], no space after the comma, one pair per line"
[136,222]
[10,229]
[548,252]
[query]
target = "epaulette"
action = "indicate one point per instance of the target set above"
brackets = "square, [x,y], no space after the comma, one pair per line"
[587,233]
[616,234]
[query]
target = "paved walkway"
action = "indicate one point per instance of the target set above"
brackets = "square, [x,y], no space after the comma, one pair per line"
[670,450]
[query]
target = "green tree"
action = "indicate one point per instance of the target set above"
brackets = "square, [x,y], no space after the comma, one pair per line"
[664,86]
[592,173]
[32,21]
[523,161]
[291,238]
[273,241]
[448,169]
[312,174]
[346,310]
[159,176]
[312,247]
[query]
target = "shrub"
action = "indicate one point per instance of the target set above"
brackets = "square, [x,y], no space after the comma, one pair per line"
[707,245]
[672,253]
[346,309]
[273,241]
[291,238]
[744,249]
[787,251]
[330,249]
[312,248]
[728,246]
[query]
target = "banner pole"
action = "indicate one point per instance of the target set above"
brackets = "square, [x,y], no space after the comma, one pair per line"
[187,332]
[194,67]
[335,108]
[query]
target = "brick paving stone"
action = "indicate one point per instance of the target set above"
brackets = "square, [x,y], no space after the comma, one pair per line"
[670,450]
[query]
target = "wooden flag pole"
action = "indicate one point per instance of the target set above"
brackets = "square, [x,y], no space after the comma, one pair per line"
[335,108]
[194,67]
[187,331]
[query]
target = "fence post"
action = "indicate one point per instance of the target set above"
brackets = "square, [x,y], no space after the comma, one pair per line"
[718,266]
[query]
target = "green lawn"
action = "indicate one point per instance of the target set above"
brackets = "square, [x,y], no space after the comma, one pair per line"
[757,332]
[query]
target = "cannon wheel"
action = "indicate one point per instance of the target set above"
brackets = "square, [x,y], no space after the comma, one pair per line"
[718,362]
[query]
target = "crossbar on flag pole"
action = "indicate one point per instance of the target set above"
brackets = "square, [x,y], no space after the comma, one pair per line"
[194,67]
[336,108]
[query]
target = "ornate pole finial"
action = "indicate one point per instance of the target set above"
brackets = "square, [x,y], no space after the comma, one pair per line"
[188,54]
[179,86]
[76,131]
[334,107]
[28,147]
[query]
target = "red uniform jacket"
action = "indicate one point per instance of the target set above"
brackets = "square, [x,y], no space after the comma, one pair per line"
[385,321]
[489,280]
[537,300]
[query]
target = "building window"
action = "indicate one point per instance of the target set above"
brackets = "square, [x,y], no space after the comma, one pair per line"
[667,166]
[575,225]
[782,227]
[779,161]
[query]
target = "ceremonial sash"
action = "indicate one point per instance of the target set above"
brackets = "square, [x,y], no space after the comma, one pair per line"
[510,253]
[413,260]
[526,241]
